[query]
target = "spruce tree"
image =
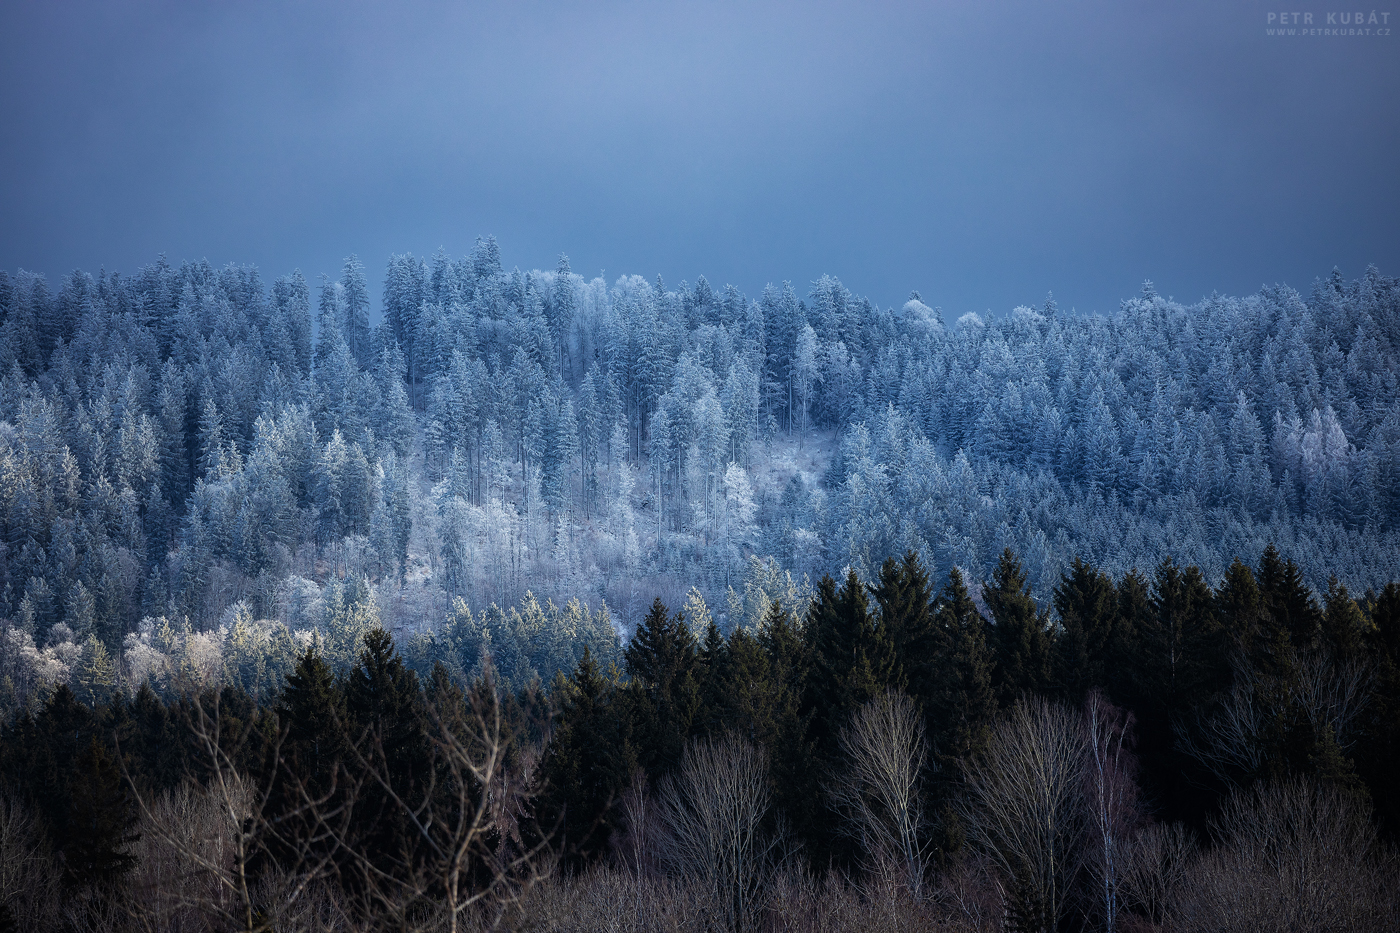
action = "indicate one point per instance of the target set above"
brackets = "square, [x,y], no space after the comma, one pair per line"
[1019,635]
[852,659]
[312,710]
[1343,625]
[1378,757]
[1086,603]
[661,658]
[587,765]
[713,683]
[1240,606]
[905,599]
[1183,640]
[386,719]
[963,703]
[1290,606]
[355,307]
[100,824]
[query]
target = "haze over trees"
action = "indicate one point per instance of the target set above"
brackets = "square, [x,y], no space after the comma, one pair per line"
[545,592]
[185,458]
[1168,755]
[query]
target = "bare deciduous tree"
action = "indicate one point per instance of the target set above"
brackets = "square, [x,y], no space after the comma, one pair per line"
[1291,856]
[216,847]
[1023,808]
[880,793]
[28,884]
[1155,864]
[1111,799]
[1230,741]
[206,837]
[470,857]
[1333,694]
[635,845]
[712,812]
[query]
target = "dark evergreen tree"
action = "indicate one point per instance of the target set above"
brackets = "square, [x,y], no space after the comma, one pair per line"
[662,661]
[1183,642]
[1019,634]
[100,823]
[587,766]
[1087,605]
[1290,606]
[1378,758]
[1240,607]
[905,601]
[1343,626]
[312,710]
[386,724]
[963,703]
[852,659]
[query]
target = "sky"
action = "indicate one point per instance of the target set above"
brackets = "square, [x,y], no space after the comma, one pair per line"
[983,153]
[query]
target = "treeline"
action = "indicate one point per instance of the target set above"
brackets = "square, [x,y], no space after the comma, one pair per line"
[1146,752]
[184,439]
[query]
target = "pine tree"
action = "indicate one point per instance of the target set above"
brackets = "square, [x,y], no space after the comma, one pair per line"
[962,705]
[587,765]
[852,659]
[1019,634]
[905,600]
[355,308]
[661,658]
[1086,603]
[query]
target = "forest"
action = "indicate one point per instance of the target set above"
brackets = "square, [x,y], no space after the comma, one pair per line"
[1164,756]
[378,608]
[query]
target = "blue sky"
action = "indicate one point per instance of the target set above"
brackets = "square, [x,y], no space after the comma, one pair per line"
[982,153]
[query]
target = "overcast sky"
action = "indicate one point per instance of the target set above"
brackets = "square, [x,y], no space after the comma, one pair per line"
[983,153]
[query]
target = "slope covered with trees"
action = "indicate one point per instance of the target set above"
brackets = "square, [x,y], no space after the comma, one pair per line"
[1167,756]
[196,469]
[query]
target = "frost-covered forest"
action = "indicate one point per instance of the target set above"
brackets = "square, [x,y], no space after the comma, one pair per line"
[198,471]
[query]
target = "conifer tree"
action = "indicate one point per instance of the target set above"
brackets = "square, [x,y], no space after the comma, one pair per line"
[963,703]
[1379,755]
[1292,610]
[99,826]
[1019,635]
[588,763]
[1086,603]
[1343,625]
[312,710]
[1185,661]
[355,308]
[662,660]
[386,728]
[329,337]
[713,683]
[905,600]
[852,659]
[1240,606]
